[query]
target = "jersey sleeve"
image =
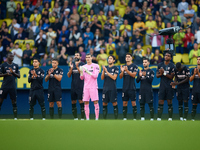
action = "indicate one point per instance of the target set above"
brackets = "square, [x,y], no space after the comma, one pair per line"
[192,72]
[138,77]
[30,76]
[157,71]
[150,77]
[95,72]
[47,72]
[172,69]
[135,68]
[61,72]
[187,72]
[2,69]
[17,69]
[116,71]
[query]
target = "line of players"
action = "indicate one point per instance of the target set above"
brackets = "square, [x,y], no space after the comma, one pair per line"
[84,86]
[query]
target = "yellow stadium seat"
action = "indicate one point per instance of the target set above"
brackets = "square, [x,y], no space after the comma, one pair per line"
[20,42]
[52,4]
[177,58]
[9,21]
[185,59]
[145,48]
[21,3]
[31,42]
[162,48]
[1,21]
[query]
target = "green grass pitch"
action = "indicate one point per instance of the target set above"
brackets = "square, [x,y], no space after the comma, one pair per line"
[98,135]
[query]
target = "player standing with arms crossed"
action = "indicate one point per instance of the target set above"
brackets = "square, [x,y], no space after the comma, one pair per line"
[165,71]
[128,73]
[109,75]
[9,71]
[54,76]
[89,73]
[182,75]
[76,86]
[195,77]
[35,77]
[145,77]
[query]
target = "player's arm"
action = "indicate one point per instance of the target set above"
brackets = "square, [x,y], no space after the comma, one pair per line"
[2,72]
[122,72]
[30,77]
[170,76]
[81,73]
[150,77]
[159,72]
[114,77]
[48,75]
[70,72]
[40,78]
[96,72]
[194,72]
[103,73]
[138,77]
[132,74]
[16,74]
[58,77]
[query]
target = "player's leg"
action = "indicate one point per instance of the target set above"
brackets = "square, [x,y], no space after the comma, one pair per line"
[58,99]
[151,111]
[170,96]
[40,98]
[51,104]
[74,100]
[161,97]
[105,99]
[142,110]
[113,100]
[186,95]
[115,106]
[13,97]
[82,109]
[2,97]
[194,105]
[1,102]
[180,103]
[59,104]
[105,110]
[132,95]
[86,98]
[95,98]
[125,100]
[32,102]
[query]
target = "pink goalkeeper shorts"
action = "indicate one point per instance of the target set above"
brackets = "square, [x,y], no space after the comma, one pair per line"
[90,93]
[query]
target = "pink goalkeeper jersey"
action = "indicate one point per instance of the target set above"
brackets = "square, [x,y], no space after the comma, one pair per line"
[90,81]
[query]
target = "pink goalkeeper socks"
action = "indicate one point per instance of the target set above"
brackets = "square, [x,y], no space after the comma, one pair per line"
[87,111]
[96,110]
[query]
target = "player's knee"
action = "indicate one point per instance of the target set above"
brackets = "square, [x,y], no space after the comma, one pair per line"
[80,101]
[114,103]
[161,102]
[14,101]
[51,104]
[86,103]
[105,104]
[125,103]
[95,102]
[59,104]
[133,103]
[169,101]
[73,101]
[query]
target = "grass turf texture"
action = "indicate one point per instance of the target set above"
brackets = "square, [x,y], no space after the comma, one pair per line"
[98,135]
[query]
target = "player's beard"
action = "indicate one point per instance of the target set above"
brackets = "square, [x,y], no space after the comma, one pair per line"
[145,66]
[110,64]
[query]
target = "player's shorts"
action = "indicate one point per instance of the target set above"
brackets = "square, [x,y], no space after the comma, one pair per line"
[90,94]
[109,96]
[183,94]
[11,91]
[146,97]
[195,98]
[77,94]
[166,94]
[130,94]
[35,95]
[55,95]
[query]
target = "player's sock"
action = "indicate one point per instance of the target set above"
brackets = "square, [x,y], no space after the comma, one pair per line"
[87,111]
[180,108]
[134,112]
[0,105]
[194,109]
[15,110]
[160,110]
[96,110]
[43,110]
[142,110]
[74,110]
[31,111]
[151,110]
[60,112]
[125,111]
[105,111]
[170,110]
[82,111]
[51,112]
[116,111]
[186,110]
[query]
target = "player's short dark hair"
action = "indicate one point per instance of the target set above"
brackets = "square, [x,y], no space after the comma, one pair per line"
[55,60]
[9,53]
[78,53]
[146,59]
[178,65]
[88,54]
[37,59]
[112,57]
[129,54]
[198,57]
[168,53]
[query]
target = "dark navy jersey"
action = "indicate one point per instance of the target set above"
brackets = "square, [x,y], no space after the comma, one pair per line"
[76,83]
[9,81]
[110,84]
[53,82]
[182,75]
[36,82]
[128,81]
[168,69]
[146,81]
[196,83]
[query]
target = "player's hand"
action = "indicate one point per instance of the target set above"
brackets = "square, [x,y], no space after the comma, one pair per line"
[11,70]
[140,73]
[161,71]
[87,71]
[195,71]
[125,68]
[8,74]
[50,71]
[103,68]
[174,83]
[122,68]
[144,73]
[71,65]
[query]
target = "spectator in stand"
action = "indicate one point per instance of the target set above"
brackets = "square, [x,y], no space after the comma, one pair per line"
[121,50]
[47,6]
[57,9]
[62,33]
[134,8]
[84,24]
[53,54]
[87,36]
[32,31]
[97,6]
[65,6]
[196,25]
[5,41]
[190,13]
[57,26]
[94,60]
[120,5]
[150,26]
[17,52]
[83,54]
[102,18]
[3,26]
[39,6]
[46,25]
[21,35]
[82,6]
[157,58]
[139,25]
[155,39]
[182,7]
[28,9]
[129,16]
[163,7]
[148,13]
[76,5]
[114,34]
[160,23]
[97,37]
[167,15]
[35,17]
[50,35]
[25,25]
[65,17]
[34,55]
[138,55]
[75,16]
[194,6]
[107,29]
[18,13]
[45,15]
[26,57]
[141,15]
[110,47]
[98,47]
[80,43]
[194,54]
[41,45]
[108,7]
[71,49]
[178,38]
[191,44]
[149,55]
[91,16]
[155,17]
[197,35]
[75,34]
[173,8]
[125,27]
[63,43]
[95,25]
[3,9]
[13,28]
[89,46]
[62,57]
[155,6]
[10,8]
[175,22]
[45,61]
[166,37]
[52,45]
[125,36]
[102,59]
[136,39]
[187,39]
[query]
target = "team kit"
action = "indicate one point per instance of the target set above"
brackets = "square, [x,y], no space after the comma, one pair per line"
[84,86]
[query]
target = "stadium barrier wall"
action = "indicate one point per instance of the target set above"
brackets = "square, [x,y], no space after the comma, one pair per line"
[23,94]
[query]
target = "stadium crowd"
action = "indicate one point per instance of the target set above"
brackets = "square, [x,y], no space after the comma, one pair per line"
[48,29]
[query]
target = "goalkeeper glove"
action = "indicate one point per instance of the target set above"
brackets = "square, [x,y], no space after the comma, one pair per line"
[87,71]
